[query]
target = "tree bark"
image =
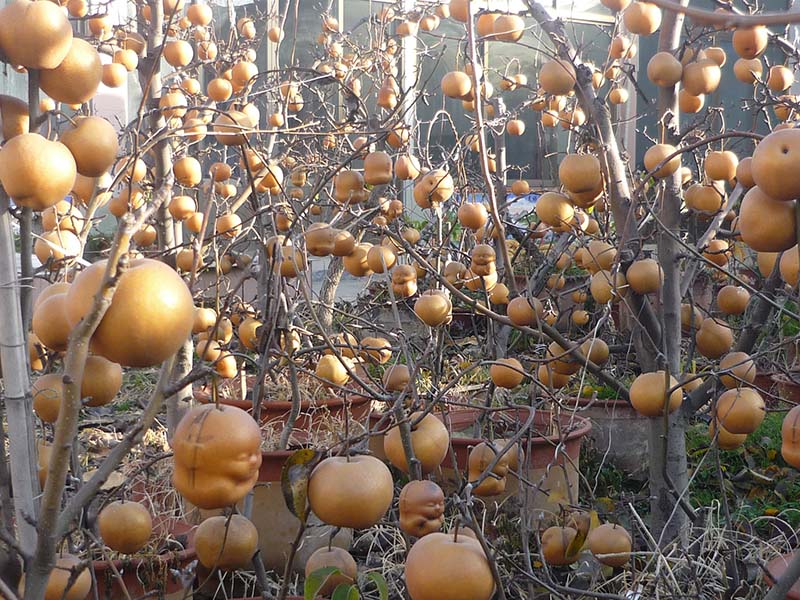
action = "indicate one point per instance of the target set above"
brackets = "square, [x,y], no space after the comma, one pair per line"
[179,403]
[162,182]
[66,426]
[668,466]
[163,179]
[10,568]
[667,450]
[327,293]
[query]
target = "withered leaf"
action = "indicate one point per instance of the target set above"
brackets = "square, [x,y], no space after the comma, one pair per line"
[294,480]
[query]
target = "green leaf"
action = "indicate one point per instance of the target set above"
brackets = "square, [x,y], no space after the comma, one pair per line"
[294,480]
[316,580]
[380,583]
[345,592]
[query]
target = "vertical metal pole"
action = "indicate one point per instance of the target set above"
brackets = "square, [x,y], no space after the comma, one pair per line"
[17,386]
[626,127]
[408,68]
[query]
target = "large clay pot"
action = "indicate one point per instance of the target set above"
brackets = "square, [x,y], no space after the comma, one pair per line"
[383,318]
[313,415]
[277,526]
[554,477]
[144,575]
[550,474]
[378,423]
[766,385]
[619,434]
[788,388]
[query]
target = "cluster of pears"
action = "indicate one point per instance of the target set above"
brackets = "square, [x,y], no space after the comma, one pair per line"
[349,355]
[609,543]
[215,331]
[39,36]
[132,333]
[434,557]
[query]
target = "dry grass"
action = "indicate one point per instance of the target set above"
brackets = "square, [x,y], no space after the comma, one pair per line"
[278,390]
[328,431]
[703,570]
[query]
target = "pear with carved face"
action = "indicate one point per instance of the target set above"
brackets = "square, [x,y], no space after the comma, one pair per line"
[421,508]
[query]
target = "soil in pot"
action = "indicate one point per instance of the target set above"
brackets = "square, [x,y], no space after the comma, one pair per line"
[466,323]
[319,411]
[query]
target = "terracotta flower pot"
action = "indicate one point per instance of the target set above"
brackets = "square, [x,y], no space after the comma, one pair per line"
[378,422]
[766,385]
[558,474]
[619,433]
[554,476]
[313,414]
[788,389]
[277,526]
[143,575]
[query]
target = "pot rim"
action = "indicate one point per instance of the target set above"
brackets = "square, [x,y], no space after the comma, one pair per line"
[270,459]
[581,425]
[277,453]
[179,555]
[332,402]
[584,401]
[781,378]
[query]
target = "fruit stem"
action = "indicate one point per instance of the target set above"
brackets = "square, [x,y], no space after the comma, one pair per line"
[214,390]
[346,428]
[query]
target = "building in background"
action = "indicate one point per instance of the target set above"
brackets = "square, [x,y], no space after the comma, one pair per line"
[532,156]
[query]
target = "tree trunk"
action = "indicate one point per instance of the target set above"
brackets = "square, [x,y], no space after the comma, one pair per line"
[327,293]
[668,468]
[179,403]
[150,82]
[164,224]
